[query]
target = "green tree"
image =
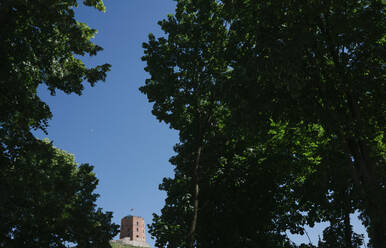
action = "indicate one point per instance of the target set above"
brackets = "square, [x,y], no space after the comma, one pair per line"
[186,68]
[313,70]
[46,200]
[40,42]
[52,202]
[317,62]
[249,197]
[182,85]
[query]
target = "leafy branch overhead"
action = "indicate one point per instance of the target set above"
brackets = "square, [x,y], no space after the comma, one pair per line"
[60,197]
[282,105]
[47,200]
[41,43]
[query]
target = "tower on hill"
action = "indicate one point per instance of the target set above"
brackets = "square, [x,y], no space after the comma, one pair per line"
[132,232]
[133,227]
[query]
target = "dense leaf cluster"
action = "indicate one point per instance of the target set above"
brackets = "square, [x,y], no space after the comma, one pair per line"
[49,201]
[39,41]
[280,106]
[46,200]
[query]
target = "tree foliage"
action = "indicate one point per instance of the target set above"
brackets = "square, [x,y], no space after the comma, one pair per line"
[52,202]
[41,43]
[183,88]
[46,199]
[293,95]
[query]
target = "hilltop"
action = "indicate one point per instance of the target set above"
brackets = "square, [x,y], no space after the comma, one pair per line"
[119,245]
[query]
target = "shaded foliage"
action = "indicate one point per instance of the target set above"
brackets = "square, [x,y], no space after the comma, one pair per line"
[293,99]
[39,42]
[46,199]
[52,202]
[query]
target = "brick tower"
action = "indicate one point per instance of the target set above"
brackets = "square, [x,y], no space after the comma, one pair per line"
[133,227]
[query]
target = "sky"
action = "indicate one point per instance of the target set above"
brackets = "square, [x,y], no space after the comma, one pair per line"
[111,126]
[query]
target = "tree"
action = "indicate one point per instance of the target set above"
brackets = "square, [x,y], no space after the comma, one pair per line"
[52,204]
[39,44]
[187,70]
[182,83]
[249,197]
[317,62]
[46,200]
[313,70]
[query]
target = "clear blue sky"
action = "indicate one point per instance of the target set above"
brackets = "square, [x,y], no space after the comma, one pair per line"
[111,126]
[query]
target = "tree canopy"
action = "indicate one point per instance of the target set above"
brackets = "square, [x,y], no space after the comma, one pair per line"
[41,43]
[292,98]
[47,200]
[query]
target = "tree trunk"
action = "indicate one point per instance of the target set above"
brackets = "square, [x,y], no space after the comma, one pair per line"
[195,199]
[347,226]
[371,193]
[195,180]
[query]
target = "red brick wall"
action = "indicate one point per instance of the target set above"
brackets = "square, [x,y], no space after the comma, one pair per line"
[133,227]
